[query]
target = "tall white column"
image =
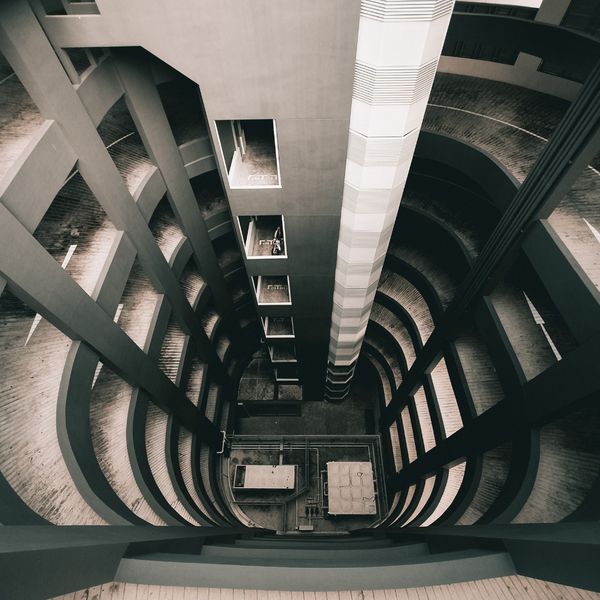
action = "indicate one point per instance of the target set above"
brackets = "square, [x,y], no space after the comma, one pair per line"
[399,45]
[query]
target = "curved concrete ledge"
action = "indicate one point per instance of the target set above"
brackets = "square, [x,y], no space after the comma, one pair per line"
[407,504]
[433,406]
[150,192]
[75,438]
[73,402]
[441,231]
[416,572]
[403,315]
[466,493]
[197,452]
[419,281]
[136,445]
[473,162]
[219,223]
[212,409]
[377,355]
[441,478]
[172,457]
[454,234]
[213,514]
[99,90]
[381,321]
[180,257]
[521,478]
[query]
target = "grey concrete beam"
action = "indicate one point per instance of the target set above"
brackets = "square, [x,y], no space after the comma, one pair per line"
[152,124]
[43,285]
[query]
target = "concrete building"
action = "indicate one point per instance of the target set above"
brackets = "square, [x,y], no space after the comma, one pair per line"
[352,244]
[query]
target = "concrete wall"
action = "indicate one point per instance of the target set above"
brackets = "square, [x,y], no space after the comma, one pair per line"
[260,60]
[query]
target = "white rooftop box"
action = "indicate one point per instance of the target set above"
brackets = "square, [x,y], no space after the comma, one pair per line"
[350,488]
[264,477]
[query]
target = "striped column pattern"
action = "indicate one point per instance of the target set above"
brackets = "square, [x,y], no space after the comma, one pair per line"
[399,44]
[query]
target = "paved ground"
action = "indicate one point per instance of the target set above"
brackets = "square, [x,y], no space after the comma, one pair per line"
[351,417]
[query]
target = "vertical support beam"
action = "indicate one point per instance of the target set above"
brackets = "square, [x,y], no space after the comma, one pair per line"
[151,121]
[399,45]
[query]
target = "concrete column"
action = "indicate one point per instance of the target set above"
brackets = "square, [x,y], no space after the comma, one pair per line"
[148,113]
[399,45]
[25,45]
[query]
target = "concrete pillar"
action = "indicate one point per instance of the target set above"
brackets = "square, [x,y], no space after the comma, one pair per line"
[399,45]
[148,113]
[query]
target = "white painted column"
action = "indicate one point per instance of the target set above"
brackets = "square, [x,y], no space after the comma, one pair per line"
[399,45]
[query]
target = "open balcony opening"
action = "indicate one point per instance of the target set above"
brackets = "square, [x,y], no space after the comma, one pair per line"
[286,373]
[264,236]
[250,152]
[272,289]
[282,351]
[278,327]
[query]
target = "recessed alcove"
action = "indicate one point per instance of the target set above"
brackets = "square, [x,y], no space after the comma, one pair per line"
[264,236]
[249,150]
[272,289]
[278,327]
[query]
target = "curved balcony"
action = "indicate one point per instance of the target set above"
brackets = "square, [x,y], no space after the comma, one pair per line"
[392,324]
[441,281]
[156,440]
[461,214]
[194,386]
[513,124]
[192,283]
[166,229]
[568,468]
[120,136]
[419,502]
[388,352]
[406,295]
[451,489]
[494,473]
[31,458]
[109,408]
